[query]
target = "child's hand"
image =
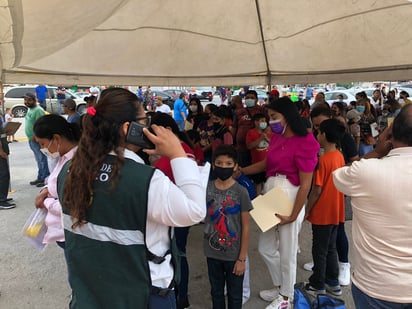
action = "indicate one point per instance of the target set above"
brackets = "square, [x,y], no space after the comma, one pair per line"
[239,268]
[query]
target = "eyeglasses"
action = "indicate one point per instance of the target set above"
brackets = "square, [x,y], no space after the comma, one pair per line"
[147,119]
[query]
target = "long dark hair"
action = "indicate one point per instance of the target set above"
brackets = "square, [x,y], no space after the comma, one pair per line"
[101,135]
[289,110]
[165,120]
[48,125]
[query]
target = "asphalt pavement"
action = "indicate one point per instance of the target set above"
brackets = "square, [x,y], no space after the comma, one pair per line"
[32,279]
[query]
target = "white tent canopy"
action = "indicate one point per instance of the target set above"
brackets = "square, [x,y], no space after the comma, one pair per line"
[194,42]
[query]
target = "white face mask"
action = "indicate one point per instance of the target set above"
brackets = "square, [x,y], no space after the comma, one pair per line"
[51,155]
[250,102]
[193,108]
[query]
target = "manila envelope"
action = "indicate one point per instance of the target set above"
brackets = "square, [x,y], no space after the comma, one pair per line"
[276,201]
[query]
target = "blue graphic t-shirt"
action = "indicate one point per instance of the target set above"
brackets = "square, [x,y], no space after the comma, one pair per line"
[223,226]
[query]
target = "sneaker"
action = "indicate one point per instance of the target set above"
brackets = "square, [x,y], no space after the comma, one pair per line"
[7,199]
[334,290]
[313,291]
[308,266]
[269,295]
[279,303]
[344,274]
[40,184]
[35,182]
[7,205]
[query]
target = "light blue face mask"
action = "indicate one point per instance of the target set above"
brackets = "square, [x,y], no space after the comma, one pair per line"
[263,125]
[250,102]
[360,108]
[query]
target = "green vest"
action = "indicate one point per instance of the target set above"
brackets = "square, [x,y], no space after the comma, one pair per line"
[111,273]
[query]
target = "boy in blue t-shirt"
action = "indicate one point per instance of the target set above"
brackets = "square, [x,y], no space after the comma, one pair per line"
[226,229]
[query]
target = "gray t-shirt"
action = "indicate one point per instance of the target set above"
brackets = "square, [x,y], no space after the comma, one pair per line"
[223,226]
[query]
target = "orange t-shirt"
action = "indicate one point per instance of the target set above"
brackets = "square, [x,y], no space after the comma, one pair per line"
[330,207]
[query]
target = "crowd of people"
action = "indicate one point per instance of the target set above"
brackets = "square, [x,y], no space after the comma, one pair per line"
[122,213]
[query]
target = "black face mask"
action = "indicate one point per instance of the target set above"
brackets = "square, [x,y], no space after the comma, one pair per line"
[216,126]
[223,173]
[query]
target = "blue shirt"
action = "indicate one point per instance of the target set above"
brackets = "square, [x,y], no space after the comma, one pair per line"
[179,107]
[41,92]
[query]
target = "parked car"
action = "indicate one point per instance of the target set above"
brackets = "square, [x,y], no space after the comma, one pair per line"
[14,99]
[175,93]
[332,96]
[262,95]
[167,99]
[202,93]
[82,95]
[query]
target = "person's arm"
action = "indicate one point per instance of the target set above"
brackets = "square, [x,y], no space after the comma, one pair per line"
[383,147]
[305,183]
[313,198]
[39,200]
[182,204]
[240,267]
[255,168]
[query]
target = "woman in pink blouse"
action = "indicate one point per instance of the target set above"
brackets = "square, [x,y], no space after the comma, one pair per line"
[290,162]
[57,139]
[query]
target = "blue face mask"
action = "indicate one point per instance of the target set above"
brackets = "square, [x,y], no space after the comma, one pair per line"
[250,102]
[277,127]
[360,108]
[263,125]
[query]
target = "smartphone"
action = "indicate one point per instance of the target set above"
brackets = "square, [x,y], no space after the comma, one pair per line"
[136,136]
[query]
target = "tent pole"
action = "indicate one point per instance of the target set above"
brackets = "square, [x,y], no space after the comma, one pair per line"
[269,75]
[1,92]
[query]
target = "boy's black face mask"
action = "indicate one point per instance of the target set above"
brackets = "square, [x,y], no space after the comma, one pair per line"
[223,173]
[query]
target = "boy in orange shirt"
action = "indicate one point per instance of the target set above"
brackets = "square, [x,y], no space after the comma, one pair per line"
[325,210]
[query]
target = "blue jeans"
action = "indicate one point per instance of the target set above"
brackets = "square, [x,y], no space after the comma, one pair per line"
[221,273]
[42,103]
[59,106]
[41,159]
[325,256]
[180,124]
[181,234]
[364,301]
[160,302]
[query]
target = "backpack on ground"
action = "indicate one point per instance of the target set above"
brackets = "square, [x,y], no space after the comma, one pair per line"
[304,300]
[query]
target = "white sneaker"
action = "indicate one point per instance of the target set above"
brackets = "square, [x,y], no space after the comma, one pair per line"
[269,295]
[279,303]
[308,266]
[344,273]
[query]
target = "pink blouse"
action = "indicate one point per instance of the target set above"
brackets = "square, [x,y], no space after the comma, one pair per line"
[54,221]
[289,155]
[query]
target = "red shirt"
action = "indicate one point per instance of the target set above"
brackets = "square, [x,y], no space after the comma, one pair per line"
[244,123]
[258,153]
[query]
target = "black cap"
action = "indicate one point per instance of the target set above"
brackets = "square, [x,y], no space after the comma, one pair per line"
[30,95]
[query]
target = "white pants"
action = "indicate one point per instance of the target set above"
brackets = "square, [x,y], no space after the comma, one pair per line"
[279,245]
